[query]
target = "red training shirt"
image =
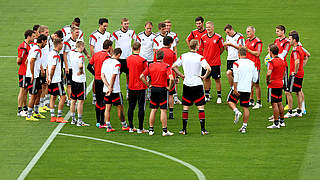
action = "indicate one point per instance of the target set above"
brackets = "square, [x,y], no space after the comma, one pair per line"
[169,56]
[23,51]
[297,53]
[159,73]
[211,48]
[278,66]
[254,44]
[97,60]
[283,44]
[136,65]
[196,34]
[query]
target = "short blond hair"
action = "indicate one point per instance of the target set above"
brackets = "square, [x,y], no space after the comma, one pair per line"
[210,22]
[124,20]
[193,44]
[42,28]
[74,28]
[79,44]
[167,21]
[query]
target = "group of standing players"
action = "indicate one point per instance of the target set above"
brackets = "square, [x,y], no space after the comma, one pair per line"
[150,63]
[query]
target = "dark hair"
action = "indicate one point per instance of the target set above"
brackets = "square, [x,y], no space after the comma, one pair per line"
[199,18]
[282,28]
[76,20]
[117,51]
[136,46]
[242,51]
[42,38]
[59,33]
[103,20]
[295,35]
[57,41]
[161,25]
[228,26]
[167,40]
[28,33]
[106,44]
[160,55]
[274,49]
[36,27]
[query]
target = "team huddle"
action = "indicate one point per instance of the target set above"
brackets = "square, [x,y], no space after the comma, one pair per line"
[52,66]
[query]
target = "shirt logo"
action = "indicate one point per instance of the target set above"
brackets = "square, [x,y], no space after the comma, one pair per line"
[214,41]
[281,44]
[252,44]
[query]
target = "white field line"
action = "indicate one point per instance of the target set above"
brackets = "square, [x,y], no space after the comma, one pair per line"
[8,56]
[199,174]
[44,147]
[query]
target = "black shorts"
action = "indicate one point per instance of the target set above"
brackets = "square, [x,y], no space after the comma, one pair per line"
[215,72]
[78,91]
[244,98]
[69,77]
[173,89]
[56,89]
[22,81]
[43,79]
[124,67]
[274,95]
[115,99]
[159,98]
[34,86]
[230,64]
[295,84]
[192,95]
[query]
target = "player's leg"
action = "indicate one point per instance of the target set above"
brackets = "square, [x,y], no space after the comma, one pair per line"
[80,113]
[299,100]
[51,105]
[217,76]
[37,101]
[94,95]
[21,102]
[232,103]
[142,106]
[207,84]
[281,114]
[187,95]
[132,101]
[152,120]
[303,105]
[185,117]
[171,106]
[107,117]
[258,95]
[124,125]
[33,92]
[230,77]
[62,95]
[244,103]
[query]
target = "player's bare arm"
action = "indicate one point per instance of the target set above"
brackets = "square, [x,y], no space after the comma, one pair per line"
[65,62]
[176,70]
[143,79]
[208,71]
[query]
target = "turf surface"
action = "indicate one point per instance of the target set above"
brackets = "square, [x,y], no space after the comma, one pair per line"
[289,153]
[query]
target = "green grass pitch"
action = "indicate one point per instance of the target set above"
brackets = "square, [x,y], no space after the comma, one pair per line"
[290,153]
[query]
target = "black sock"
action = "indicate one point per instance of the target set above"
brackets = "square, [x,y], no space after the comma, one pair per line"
[170,110]
[202,119]
[276,122]
[151,129]
[219,93]
[102,117]
[19,109]
[290,111]
[165,130]
[98,114]
[207,93]
[299,111]
[184,119]
[259,101]
[25,108]
[252,100]
[281,120]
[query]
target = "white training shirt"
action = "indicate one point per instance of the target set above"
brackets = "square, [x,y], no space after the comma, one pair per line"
[35,52]
[54,60]
[158,42]
[67,33]
[45,53]
[244,72]
[109,68]
[123,41]
[97,39]
[174,36]
[76,58]
[146,50]
[237,39]
[192,64]
[69,45]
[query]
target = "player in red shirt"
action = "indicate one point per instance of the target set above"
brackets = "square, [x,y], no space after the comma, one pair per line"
[212,46]
[94,68]
[254,49]
[23,51]
[197,33]
[275,74]
[169,57]
[298,59]
[159,73]
[137,89]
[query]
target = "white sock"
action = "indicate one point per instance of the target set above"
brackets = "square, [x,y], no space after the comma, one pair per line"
[303,106]
[52,112]
[41,102]
[245,125]
[235,110]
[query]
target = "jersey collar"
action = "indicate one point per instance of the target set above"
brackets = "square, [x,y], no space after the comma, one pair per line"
[211,36]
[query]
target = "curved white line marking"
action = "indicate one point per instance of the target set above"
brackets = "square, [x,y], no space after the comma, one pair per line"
[199,174]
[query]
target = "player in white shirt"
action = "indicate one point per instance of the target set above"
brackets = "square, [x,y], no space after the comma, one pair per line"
[193,91]
[110,75]
[96,41]
[78,86]
[158,40]
[233,41]
[33,79]
[145,38]
[123,39]
[67,29]
[54,79]
[172,34]
[244,72]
